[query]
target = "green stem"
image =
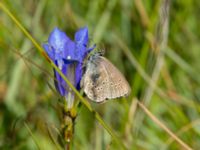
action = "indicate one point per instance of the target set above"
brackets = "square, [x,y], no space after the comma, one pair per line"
[85,102]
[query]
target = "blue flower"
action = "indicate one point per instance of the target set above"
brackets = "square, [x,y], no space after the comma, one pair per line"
[68,55]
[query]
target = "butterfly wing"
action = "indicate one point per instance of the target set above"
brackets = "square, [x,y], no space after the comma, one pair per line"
[118,86]
[102,80]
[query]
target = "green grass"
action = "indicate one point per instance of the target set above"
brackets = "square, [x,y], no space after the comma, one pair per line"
[163,76]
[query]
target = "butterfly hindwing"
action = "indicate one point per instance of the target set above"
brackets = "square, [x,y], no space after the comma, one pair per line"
[118,86]
[102,80]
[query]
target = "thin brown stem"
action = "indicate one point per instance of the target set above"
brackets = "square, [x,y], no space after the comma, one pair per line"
[164,127]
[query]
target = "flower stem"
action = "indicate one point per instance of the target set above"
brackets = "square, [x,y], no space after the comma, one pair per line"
[67,125]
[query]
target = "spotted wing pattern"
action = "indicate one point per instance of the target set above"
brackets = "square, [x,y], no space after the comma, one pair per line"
[102,80]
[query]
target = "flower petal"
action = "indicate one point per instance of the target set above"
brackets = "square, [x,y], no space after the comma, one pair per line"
[58,40]
[81,36]
[78,75]
[69,52]
[61,85]
[81,40]
[49,51]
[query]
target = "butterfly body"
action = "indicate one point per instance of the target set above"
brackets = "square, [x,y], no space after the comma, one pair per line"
[102,80]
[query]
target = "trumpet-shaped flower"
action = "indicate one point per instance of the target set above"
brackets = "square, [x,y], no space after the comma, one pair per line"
[68,55]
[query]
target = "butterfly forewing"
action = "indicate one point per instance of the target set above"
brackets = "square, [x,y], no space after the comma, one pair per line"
[102,80]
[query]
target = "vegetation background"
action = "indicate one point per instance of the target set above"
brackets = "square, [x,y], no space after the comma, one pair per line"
[160,61]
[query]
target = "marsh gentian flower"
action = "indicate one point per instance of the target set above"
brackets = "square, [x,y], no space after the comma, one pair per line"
[68,55]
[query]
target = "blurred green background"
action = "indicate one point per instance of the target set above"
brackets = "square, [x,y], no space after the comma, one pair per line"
[130,31]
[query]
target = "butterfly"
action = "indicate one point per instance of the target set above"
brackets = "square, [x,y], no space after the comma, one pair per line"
[102,80]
